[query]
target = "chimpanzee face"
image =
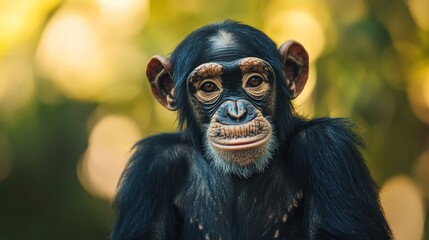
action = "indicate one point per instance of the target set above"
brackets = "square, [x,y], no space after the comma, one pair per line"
[230,93]
[234,101]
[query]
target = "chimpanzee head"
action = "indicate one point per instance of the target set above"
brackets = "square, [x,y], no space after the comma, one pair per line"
[232,87]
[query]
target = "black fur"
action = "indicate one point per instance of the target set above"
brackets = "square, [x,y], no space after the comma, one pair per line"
[170,191]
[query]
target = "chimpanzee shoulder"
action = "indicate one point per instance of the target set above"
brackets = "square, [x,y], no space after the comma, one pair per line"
[329,129]
[327,162]
[154,174]
[163,156]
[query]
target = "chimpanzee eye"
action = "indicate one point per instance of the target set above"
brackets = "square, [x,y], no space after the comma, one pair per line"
[208,90]
[209,87]
[254,81]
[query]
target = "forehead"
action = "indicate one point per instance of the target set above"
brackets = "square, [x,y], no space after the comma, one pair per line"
[222,39]
[225,46]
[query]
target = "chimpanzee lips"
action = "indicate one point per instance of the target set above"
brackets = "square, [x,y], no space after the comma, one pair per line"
[250,135]
[241,143]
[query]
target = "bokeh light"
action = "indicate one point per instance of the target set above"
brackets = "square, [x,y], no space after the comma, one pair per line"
[70,54]
[300,25]
[16,82]
[110,143]
[421,170]
[86,64]
[418,91]
[419,12]
[125,17]
[404,207]
[303,103]
[20,20]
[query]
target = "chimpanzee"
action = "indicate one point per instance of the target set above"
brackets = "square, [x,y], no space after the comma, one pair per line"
[245,165]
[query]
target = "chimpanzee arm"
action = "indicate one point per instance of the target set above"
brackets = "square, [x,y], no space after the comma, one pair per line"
[152,178]
[341,198]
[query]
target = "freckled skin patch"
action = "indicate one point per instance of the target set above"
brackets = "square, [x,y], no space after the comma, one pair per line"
[252,64]
[204,71]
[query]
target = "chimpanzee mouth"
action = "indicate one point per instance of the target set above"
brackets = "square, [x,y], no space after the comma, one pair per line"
[235,144]
[253,134]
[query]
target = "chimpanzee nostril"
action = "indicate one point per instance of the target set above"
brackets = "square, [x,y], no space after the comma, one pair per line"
[237,109]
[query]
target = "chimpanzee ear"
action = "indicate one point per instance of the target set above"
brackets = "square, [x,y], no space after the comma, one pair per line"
[295,66]
[159,72]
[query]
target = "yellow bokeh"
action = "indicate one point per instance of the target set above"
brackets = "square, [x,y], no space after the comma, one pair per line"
[19,20]
[69,53]
[16,82]
[303,103]
[125,17]
[418,91]
[404,207]
[421,170]
[300,25]
[79,54]
[419,11]
[109,148]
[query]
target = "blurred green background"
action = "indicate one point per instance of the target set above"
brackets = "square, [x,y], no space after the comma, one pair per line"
[74,98]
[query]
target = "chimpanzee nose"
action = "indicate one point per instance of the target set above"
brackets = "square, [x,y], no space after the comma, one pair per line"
[237,109]
[233,112]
